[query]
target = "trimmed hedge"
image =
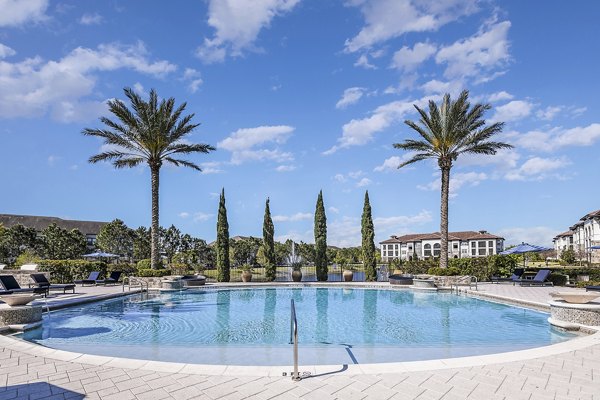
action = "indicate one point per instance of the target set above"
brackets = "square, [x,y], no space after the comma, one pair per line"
[450,271]
[151,273]
[67,271]
[481,267]
[146,264]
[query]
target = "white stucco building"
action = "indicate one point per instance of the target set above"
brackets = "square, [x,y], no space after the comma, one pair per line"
[424,245]
[580,237]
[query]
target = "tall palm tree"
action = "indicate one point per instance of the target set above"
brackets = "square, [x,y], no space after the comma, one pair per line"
[152,133]
[446,132]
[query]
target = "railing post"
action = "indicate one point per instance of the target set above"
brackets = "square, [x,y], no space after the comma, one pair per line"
[294,340]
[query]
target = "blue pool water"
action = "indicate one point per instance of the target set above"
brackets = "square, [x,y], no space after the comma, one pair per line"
[336,325]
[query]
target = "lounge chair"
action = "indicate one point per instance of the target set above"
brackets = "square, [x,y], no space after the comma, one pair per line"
[592,288]
[540,279]
[91,280]
[9,283]
[113,278]
[42,282]
[515,277]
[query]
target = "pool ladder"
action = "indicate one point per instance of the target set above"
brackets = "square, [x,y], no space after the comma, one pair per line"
[130,280]
[294,340]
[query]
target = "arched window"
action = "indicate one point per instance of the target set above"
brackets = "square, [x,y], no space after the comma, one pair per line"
[427,248]
[436,250]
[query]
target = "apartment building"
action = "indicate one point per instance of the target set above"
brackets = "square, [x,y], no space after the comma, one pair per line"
[465,244]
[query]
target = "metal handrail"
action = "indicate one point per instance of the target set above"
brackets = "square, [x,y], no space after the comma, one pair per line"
[131,279]
[294,340]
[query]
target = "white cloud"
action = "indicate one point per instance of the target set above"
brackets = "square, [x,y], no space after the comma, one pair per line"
[6,51]
[184,214]
[402,221]
[513,111]
[389,164]
[200,216]
[243,144]
[363,182]
[333,210]
[363,62]
[355,174]
[139,89]
[407,59]
[538,168]
[285,168]
[350,96]
[358,132]
[17,12]
[340,178]
[91,19]
[386,19]
[503,159]
[52,159]
[34,87]
[457,181]
[292,218]
[558,137]
[435,86]
[549,112]
[478,54]
[500,96]
[192,76]
[237,24]
[211,167]
[536,235]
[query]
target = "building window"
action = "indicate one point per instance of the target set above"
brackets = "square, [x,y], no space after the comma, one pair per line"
[473,244]
[427,250]
[481,243]
[482,252]
[491,243]
[436,250]
[473,252]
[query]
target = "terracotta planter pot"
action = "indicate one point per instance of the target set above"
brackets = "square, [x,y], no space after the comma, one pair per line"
[246,276]
[297,276]
[348,275]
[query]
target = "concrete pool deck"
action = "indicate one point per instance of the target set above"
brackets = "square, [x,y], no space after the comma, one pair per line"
[569,370]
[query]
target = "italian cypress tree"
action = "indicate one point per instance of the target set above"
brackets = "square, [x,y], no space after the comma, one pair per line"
[321,239]
[222,242]
[269,244]
[368,245]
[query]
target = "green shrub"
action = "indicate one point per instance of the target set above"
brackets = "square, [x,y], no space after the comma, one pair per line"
[126,268]
[450,271]
[27,257]
[589,283]
[180,269]
[146,263]
[558,279]
[67,271]
[149,272]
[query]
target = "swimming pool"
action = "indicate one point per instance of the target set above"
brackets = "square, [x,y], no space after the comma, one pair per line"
[336,325]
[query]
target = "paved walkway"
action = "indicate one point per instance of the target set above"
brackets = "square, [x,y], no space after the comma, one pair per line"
[31,372]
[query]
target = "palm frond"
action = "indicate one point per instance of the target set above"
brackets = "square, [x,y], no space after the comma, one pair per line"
[184,148]
[128,162]
[417,158]
[185,163]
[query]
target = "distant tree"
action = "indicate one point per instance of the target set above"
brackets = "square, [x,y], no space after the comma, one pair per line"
[222,245]
[244,251]
[171,242]
[268,245]
[61,244]
[568,256]
[321,240]
[283,251]
[116,238]
[148,133]
[368,242]
[306,251]
[447,131]
[16,240]
[141,243]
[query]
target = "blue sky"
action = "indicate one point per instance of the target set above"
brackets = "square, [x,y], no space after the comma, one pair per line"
[303,95]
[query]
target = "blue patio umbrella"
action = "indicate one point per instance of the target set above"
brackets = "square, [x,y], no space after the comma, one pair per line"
[100,254]
[524,248]
[594,248]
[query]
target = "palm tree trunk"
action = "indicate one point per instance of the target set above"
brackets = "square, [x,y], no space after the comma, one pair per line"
[444,217]
[154,250]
